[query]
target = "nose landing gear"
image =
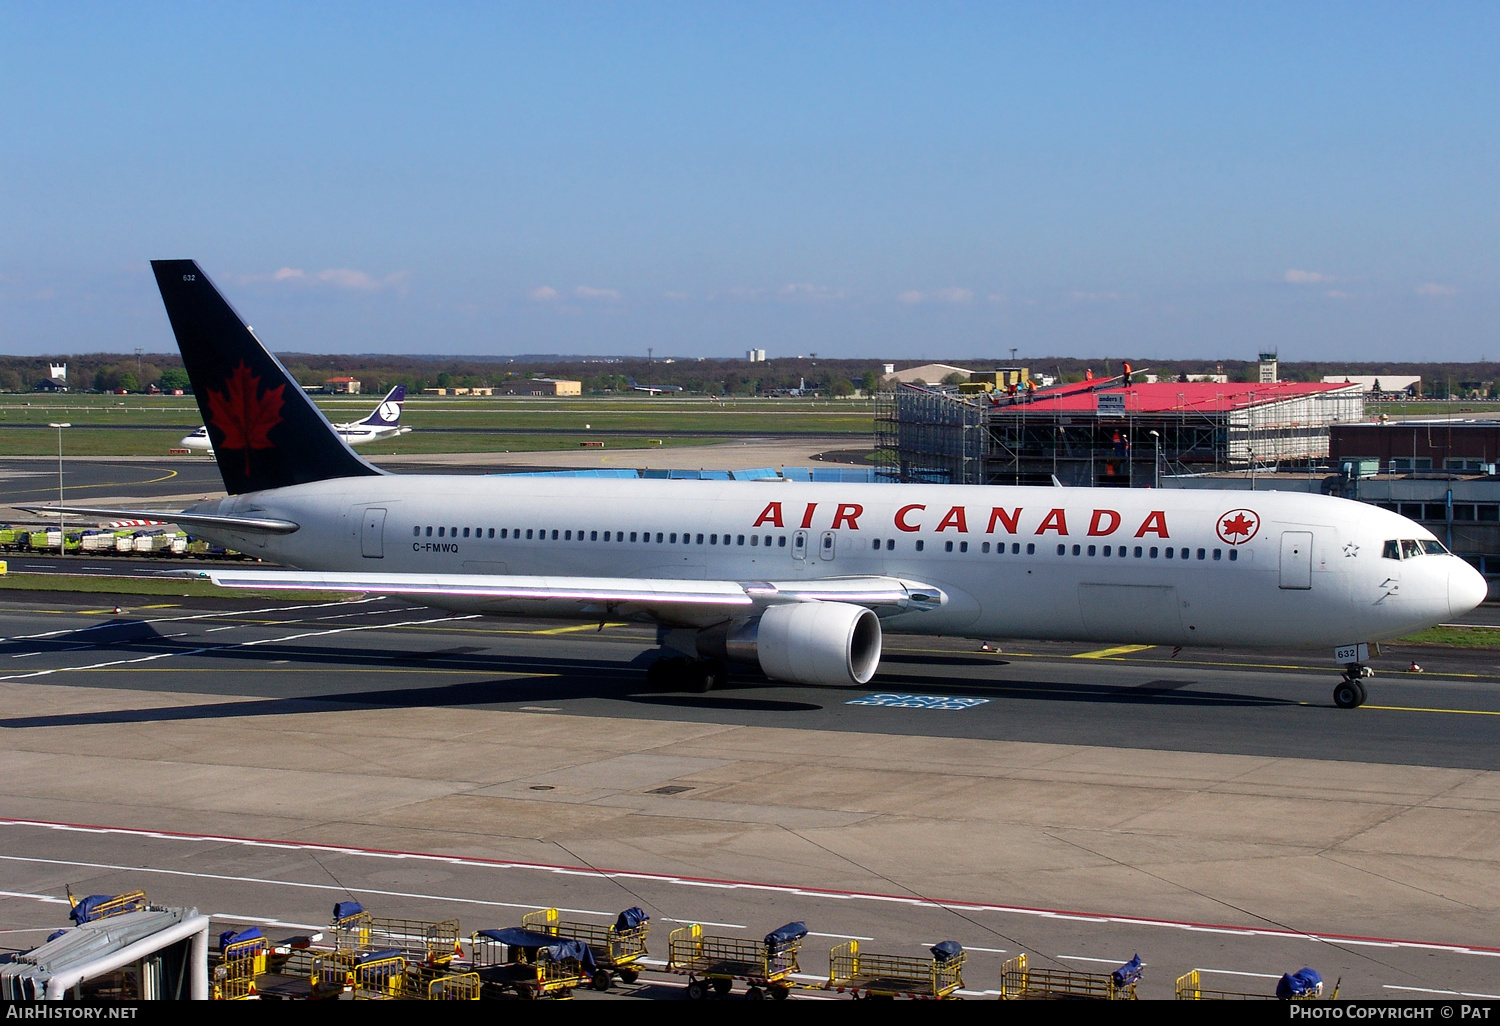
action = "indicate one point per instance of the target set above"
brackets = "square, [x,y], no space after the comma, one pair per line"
[1350,692]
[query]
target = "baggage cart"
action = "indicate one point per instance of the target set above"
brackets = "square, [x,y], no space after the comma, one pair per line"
[1190,988]
[714,963]
[429,943]
[617,949]
[866,975]
[1020,980]
[530,964]
[102,906]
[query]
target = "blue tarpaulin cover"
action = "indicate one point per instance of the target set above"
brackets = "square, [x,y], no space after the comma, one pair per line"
[565,947]
[1128,973]
[86,909]
[947,951]
[1301,983]
[785,936]
[631,918]
[378,956]
[516,937]
[344,909]
[229,937]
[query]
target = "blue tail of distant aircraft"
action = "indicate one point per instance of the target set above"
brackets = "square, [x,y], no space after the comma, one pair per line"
[265,430]
[388,413]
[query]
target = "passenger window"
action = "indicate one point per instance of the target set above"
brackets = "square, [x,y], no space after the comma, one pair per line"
[948,547]
[1030,548]
[492,533]
[1062,550]
[567,536]
[1234,554]
[1153,551]
[713,539]
[1077,549]
[768,541]
[1201,553]
[920,544]
[1169,552]
[593,536]
[963,546]
[740,540]
[416,532]
[755,539]
[672,537]
[1138,551]
[877,543]
[1106,551]
[700,539]
[658,537]
[1091,550]
[1410,549]
[1218,553]
[984,547]
[890,543]
[466,532]
[429,532]
[453,532]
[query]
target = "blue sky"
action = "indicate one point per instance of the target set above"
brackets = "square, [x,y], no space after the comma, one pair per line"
[863,179]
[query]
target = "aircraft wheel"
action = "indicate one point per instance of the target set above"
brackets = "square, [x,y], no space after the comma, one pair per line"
[1348,694]
[705,675]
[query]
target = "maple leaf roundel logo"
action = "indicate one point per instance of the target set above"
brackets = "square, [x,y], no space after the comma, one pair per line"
[1238,526]
[245,414]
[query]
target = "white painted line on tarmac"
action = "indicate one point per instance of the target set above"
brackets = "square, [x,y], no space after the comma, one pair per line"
[1445,993]
[223,648]
[50,899]
[840,936]
[735,885]
[1236,972]
[1104,961]
[987,951]
[263,921]
[196,616]
[705,922]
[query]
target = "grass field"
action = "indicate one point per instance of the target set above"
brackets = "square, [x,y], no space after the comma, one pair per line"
[110,425]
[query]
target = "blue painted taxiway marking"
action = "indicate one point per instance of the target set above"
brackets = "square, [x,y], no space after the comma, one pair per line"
[940,702]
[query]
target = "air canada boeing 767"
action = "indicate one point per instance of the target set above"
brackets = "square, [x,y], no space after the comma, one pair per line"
[801,579]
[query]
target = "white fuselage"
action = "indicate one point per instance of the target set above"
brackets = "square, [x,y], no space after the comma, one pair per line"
[355,433]
[1153,566]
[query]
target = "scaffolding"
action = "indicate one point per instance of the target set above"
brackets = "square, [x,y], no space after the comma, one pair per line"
[923,435]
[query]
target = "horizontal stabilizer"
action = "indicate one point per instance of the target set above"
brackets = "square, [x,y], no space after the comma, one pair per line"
[269,525]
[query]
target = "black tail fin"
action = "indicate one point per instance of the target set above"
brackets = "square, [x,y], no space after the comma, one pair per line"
[265,430]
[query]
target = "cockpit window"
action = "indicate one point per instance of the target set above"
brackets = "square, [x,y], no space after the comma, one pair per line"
[1410,549]
[1434,548]
[1392,550]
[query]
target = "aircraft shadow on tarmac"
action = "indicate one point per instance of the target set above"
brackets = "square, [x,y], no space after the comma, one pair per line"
[559,678]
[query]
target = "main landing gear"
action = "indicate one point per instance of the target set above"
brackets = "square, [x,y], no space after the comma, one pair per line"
[679,674]
[1350,692]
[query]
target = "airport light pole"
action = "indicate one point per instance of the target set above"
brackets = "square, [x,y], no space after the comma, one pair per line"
[1156,462]
[62,542]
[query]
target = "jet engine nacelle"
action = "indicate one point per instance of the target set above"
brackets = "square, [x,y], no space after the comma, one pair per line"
[829,643]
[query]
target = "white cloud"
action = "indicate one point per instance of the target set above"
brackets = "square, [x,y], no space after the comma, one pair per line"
[1434,289]
[1295,277]
[585,292]
[335,277]
[1336,294]
[805,290]
[949,295]
[543,294]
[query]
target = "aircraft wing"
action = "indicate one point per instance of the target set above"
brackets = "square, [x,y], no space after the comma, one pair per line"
[661,600]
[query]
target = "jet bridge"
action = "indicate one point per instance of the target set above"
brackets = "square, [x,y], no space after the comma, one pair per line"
[150,955]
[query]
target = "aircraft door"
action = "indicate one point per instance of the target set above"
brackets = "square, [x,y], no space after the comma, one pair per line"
[372,534]
[826,544]
[799,545]
[1296,559]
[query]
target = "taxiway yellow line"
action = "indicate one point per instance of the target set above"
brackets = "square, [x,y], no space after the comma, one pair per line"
[1105,653]
[1419,709]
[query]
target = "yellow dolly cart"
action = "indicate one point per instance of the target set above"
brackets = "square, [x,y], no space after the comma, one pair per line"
[616,948]
[429,943]
[529,963]
[102,906]
[851,971]
[1303,985]
[1019,980]
[715,963]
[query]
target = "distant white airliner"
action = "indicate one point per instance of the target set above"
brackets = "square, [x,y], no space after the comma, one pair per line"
[385,422]
[801,579]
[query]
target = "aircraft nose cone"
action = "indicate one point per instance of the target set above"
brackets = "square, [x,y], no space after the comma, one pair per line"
[1467,588]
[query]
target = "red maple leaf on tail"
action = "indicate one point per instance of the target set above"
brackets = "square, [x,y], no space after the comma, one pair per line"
[244,414]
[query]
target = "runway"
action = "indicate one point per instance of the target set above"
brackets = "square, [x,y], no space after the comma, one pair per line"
[982,794]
